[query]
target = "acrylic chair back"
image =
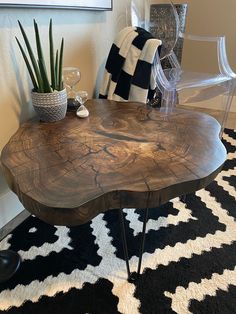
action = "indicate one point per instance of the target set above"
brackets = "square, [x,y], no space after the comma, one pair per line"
[160,18]
[177,84]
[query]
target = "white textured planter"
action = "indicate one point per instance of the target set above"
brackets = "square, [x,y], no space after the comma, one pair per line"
[50,107]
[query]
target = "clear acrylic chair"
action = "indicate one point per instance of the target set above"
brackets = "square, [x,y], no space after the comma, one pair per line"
[182,85]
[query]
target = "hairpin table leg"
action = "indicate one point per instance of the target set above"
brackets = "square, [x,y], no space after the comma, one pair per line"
[124,242]
[142,241]
[133,276]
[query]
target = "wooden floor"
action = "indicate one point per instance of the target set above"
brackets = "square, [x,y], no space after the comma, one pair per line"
[231,121]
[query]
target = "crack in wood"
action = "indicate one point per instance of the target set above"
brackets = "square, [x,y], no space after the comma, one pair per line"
[121,137]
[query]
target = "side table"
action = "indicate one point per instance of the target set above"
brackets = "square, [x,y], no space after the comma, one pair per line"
[124,155]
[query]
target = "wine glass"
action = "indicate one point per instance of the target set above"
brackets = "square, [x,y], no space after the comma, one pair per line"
[71,77]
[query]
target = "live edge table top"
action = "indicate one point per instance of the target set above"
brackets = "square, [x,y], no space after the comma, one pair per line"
[124,155]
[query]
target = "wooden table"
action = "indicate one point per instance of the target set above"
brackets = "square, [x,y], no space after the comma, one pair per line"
[124,155]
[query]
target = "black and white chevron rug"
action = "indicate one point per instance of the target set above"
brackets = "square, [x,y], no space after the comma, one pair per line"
[189,261]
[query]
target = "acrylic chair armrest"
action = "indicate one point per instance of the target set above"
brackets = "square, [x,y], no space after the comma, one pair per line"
[173,60]
[199,37]
[166,87]
[223,63]
[159,74]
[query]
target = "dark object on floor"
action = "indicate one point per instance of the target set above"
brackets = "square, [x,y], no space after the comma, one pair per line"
[155,102]
[9,263]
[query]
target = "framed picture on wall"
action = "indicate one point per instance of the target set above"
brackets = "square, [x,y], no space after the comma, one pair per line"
[65,4]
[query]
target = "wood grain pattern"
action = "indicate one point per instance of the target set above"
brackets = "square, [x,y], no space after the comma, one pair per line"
[122,155]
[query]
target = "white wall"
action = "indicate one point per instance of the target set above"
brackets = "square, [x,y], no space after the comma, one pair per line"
[88,36]
[212,18]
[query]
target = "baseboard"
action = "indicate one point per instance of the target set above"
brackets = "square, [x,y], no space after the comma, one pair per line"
[12,224]
[12,213]
[10,207]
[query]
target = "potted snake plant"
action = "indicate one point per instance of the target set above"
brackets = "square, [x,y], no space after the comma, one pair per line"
[49,96]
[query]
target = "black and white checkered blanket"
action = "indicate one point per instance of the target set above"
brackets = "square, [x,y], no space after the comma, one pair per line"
[128,71]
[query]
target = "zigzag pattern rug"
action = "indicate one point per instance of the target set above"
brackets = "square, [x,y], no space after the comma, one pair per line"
[189,264]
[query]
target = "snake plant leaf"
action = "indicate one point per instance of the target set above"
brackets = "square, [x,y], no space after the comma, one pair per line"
[60,82]
[31,73]
[37,69]
[56,71]
[42,67]
[46,86]
[32,58]
[53,82]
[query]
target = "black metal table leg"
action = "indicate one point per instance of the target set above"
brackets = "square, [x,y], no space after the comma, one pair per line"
[124,242]
[132,277]
[142,241]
